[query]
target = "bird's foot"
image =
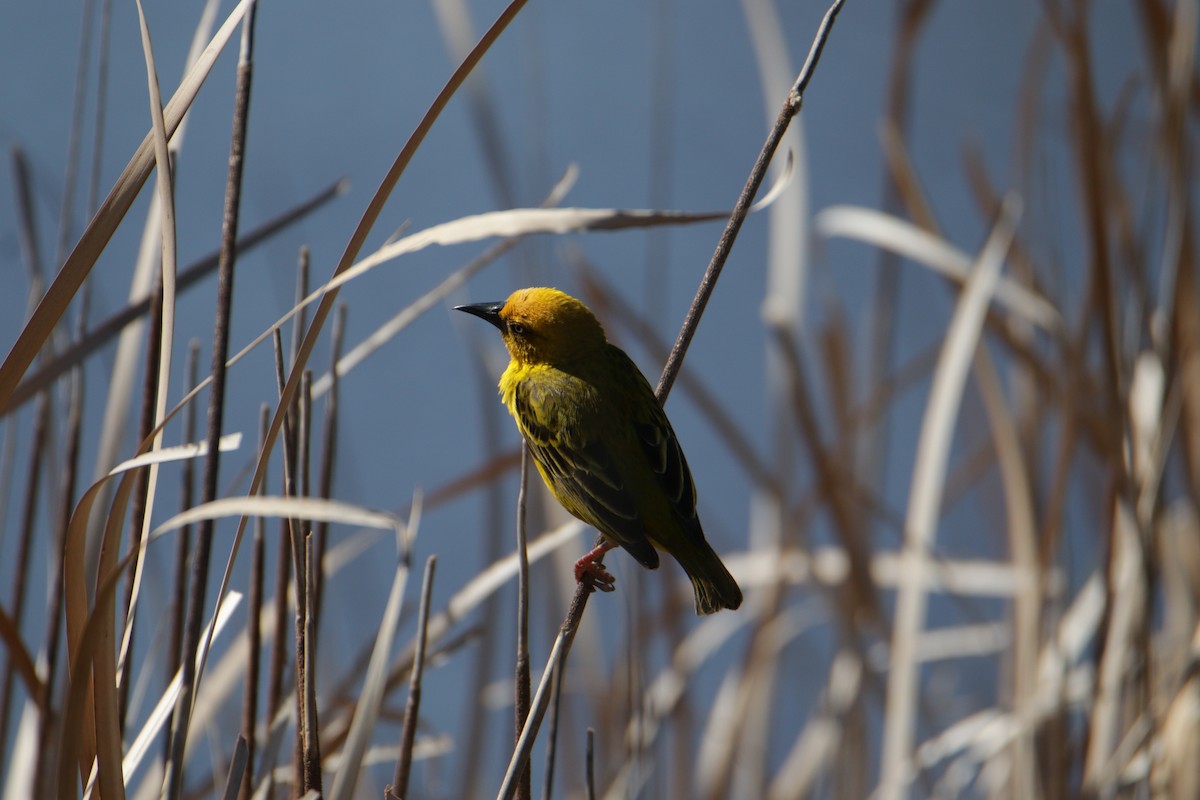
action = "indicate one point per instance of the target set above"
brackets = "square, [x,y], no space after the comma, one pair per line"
[590,572]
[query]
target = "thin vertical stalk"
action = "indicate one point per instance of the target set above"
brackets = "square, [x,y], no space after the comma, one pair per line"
[312,727]
[183,545]
[290,533]
[474,749]
[254,607]
[239,768]
[137,509]
[27,231]
[279,654]
[198,583]
[93,195]
[521,684]
[304,467]
[20,565]
[303,264]
[54,616]
[552,733]
[329,449]
[399,787]
[66,218]
[591,764]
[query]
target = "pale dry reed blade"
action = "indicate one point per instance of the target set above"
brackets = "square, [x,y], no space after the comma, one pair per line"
[412,710]
[157,719]
[484,584]
[76,606]
[519,222]
[903,238]
[929,470]
[506,224]
[430,299]
[165,191]
[366,711]
[787,226]
[309,508]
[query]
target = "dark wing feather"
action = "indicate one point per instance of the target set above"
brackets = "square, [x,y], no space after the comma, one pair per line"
[662,450]
[666,459]
[580,470]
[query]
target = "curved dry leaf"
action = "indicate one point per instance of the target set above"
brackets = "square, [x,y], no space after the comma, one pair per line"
[925,497]
[179,452]
[409,314]
[148,734]
[905,239]
[309,508]
[75,584]
[370,699]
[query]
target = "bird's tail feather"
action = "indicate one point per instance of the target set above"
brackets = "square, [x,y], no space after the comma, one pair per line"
[714,587]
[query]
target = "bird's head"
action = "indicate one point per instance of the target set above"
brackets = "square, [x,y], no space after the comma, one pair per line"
[542,326]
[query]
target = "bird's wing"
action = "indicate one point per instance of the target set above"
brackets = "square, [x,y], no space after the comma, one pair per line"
[666,459]
[663,452]
[580,467]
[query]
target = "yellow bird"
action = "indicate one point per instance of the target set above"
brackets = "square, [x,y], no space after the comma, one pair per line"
[601,441]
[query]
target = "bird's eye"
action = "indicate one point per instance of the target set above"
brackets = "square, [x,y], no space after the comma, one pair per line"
[516,328]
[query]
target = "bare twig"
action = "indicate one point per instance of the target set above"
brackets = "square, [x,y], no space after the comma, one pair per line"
[292,533]
[66,212]
[105,39]
[591,764]
[54,620]
[329,448]
[137,510]
[183,546]
[552,733]
[254,608]
[239,768]
[708,283]
[20,566]
[399,787]
[521,683]
[216,410]
[279,657]
[308,689]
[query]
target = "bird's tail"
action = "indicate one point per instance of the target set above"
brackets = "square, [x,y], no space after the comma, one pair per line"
[714,587]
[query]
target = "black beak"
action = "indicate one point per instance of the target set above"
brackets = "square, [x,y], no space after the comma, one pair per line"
[487,311]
